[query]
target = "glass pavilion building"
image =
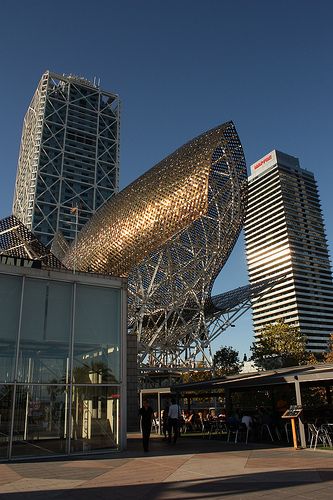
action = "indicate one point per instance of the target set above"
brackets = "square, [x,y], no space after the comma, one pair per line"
[63,360]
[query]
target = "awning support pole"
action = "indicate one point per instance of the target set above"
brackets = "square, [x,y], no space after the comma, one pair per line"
[300,422]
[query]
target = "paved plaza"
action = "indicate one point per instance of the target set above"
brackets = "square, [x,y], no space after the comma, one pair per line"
[191,469]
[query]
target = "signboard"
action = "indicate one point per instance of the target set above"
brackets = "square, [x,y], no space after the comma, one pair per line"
[19,261]
[294,411]
[264,163]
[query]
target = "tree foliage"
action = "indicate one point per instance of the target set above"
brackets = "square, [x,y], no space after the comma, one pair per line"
[328,356]
[279,345]
[226,361]
[197,376]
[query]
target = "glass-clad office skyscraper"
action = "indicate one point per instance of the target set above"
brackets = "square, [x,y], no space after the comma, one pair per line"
[69,156]
[285,239]
[62,362]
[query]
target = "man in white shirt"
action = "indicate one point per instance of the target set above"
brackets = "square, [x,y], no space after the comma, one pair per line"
[173,420]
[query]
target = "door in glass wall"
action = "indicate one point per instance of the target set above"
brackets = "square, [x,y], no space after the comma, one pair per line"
[95,418]
[6,398]
[40,420]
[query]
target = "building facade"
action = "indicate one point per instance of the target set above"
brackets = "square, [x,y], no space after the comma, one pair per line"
[63,361]
[285,239]
[69,156]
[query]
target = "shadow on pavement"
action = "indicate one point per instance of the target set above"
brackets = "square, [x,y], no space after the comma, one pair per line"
[298,482]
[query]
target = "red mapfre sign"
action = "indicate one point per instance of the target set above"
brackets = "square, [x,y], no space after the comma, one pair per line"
[262,162]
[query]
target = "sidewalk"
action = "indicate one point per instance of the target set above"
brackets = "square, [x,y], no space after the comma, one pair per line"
[191,469]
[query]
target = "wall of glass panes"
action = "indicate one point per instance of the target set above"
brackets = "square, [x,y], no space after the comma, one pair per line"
[61,364]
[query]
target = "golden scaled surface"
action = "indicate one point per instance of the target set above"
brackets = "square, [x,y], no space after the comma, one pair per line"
[148,212]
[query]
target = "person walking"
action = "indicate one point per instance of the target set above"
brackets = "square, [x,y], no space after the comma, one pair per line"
[147,416]
[165,419]
[173,420]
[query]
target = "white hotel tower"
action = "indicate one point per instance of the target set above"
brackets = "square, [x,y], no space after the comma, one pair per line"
[285,236]
[69,155]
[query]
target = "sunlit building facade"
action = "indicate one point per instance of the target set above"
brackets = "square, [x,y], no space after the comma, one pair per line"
[285,239]
[69,156]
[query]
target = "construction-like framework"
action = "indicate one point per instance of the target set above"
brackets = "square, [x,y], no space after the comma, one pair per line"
[170,291]
[171,232]
[69,156]
[18,242]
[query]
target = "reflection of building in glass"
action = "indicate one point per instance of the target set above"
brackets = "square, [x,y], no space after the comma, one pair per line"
[62,360]
[170,232]
[68,156]
[285,238]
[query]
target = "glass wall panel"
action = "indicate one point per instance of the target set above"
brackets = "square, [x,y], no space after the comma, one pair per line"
[40,423]
[10,300]
[95,418]
[97,335]
[6,398]
[45,332]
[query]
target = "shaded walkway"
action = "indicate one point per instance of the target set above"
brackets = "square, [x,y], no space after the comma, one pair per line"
[194,468]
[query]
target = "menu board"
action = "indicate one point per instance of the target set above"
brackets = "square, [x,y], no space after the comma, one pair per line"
[294,411]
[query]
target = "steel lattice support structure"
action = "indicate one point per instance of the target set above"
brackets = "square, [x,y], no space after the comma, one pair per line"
[171,232]
[69,155]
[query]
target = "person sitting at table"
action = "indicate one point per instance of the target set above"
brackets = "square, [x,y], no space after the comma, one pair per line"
[189,421]
[223,415]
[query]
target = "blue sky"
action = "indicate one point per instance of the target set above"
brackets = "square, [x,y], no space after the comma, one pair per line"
[180,68]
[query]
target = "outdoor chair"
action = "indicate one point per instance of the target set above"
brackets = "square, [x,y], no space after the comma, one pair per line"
[266,428]
[205,427]
[318,434]
[244,431]
[155,426]
[213,427]
[233,429]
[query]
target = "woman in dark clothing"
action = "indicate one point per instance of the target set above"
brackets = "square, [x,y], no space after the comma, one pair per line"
[165,419]
[147,415]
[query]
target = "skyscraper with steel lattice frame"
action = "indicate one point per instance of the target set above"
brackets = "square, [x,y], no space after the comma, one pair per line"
[285,236]
[69,156]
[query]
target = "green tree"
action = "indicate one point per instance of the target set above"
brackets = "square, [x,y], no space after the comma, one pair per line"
[197,376]
[226,361]
[279,345]
[328,356]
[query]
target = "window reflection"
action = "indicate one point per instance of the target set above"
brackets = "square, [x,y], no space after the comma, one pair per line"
[40,422]
[6,395]
[97,335]
[95,418]
[45,332]
[10,298]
